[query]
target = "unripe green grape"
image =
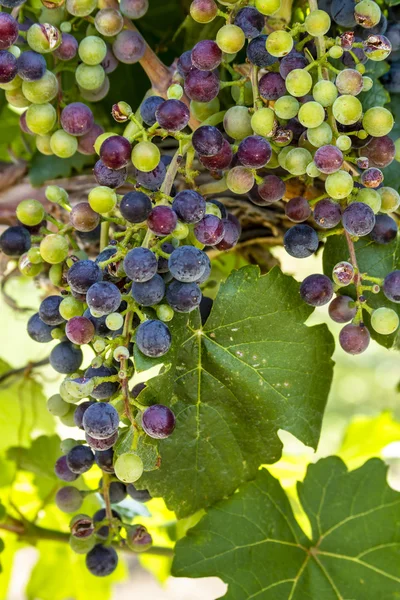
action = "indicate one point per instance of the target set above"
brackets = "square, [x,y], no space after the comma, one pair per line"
[92,50]
[273,161]
[71,307]
[43,37]
[114,321]
[128,467]
[325,92]
[286,107]
[102,199]
[347,109]
[213,209]
[121,352]
[339,185]
[14,84]
[164,312]
[68,419]
[56,194]
[90,77]
[15,51]
[279,43]
[397,148]
[102,138]
[321,135]
[237,122]
[297,160]
[55,274]
[268,7]
[370,197]
[343,143]
[312,170]
[17,98]
[390,199]
[203,12]
[54,248]
[181,231]
[34,255]
[317,23]
[41,118]
[57,333]
[145,156]
[63,144]
[69,443]
[42,90]
[367,84]
[43,144]
[175,91]
[81,8]
[335,52]
[263,120]
[66,27]
[28,268]
[362,135]
[248,93]
[384,320]
[30,212]
[311,114]
[203,110]
[230,38]
[367,13]
[298,82]
[378,121]
[283,155]
[82,545]
[109,22]
[240,180]
[99,345]
[57,406]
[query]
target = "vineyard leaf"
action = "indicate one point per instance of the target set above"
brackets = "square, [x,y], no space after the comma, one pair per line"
[375,259]
[376,96]
[44,167]
[254,368]
[253,542]
[39,458]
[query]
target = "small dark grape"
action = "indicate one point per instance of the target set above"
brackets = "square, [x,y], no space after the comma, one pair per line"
[270,190]
[207,140]
[9,31]
[82,275]
[80,459]
[385,229]
[158,421]
[254,152]
[111,178]
[162,220]
[210,230]
[257,53]
[183,297]
[173,115]
[140,264]
[149,292]
[15,241]
[138,495]
[294,60]
[8,66]
[298,209]
[63,471]
[187,263]
[219,161]
[103,444]
[31,65]
[372,177]
[328,159]
[327,214]
[38,330]
[391,286]
[316,290]
[100,420]
[354,339]
[79,330]
[190,206]
[135,207]
[250,21]
[83,218]
[115,152]
[201,86]
[206,55]
[77,119]
[66,358]
[105,390]
[340,311]
[69,499]
[380,151]
[153,338]
[68,47]
[86,142]
[105,460]
[272,86]
[103,298]
[152,180]
[80,411]
[301,241]
[232,231]
[358,219]
[185,64]
[101,560]
[49,310]
[148,109]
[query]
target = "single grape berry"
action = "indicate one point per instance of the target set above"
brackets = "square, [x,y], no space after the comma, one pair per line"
[101,560]
[140,264]
[210,230]
[316,290]
[100,420]
[207,140]
[83,274]
[385,229]
[115,152]
[158,421]
[83,218]
[343,273]
[328,159]
[254,152]
[153,338]
[103,298]
[135,207]
[340,309]
[15,241]
[66,358]
[183,297]
[173,115]
[206,55]
[189,206]
[300,241]
[162,220]
[358,219]
[327,214]
[63,471]
[298,209]
[354,339]
[79,330]
[149,292]
[391,286]
[49,310]
[38,330]
[80,459]
[187,263]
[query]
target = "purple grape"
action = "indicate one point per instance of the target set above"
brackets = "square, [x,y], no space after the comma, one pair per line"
[63,471]
[316,290]
[385,229]
[257,53]
[328,159]
[340,311]
[86,142]
[190,206]
[354,339]
[343,13]
[101,560]
[149,292]
[372,177]
[109,62]
[83,218]
[183,297]
[82,274]
[232,231]
[102,391]
[68,47]
[15,241]
[80,411]
[298,209]
[327,214]
[129,47]
[8,31]
[148,109]
[184,64]
[153,338]
[294,60]
[162,220]
[100,420]
[31,65]
[115,152]
[254,152]
[270,190]
[49,310]
[138,495]
[219,161]
[210,230]
[105,460]
[79,330]
[201,86]
[103,298]
[109,177]
[69,499]
[38,330]
[135,207]
[158,421]
[300,241]
[391,286]
[207,140]
[173,115]
[103,444]
[65,358]
[358,219]
[272,86]
[8,66]
[187,263]
[77,119]
[380,151]
[206,55]
[80,459]
[250,21]
[117,491]
[152,180]
[139,387]
[140,264]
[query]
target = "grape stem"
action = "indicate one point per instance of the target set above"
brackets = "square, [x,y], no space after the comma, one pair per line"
[126,334]
[104,234]
[319,40]
[357,277]
[106,496]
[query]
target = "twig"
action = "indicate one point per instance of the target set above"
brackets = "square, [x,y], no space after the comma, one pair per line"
[26,369]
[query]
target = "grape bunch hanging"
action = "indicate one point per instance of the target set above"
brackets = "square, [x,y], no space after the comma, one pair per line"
[296,114]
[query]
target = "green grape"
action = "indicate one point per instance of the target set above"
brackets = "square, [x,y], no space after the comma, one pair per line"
[397,148]
[128,467]
[90,77]
[283,154]
[30,212]
[343,143]
[279,43]
[237,122]
[71,307]
[312,170]
[297,160]
[273,161]
[367,13]
[181,231]
[319,136]
[317,23]
[311,114]
[54,248]
[263,120]
[15,51]
[367,84]
[347,109]
[65,395]
[56,194]
[57,406]
[339,185]
[230,39]
[92,50]
[121,352]
[240,180]
[212,209]
[248,93]
[145,156]
[41,118]
[17,98]
[336,52]
[380,52]
[203,14]
[370,197]
[57,333]
[114,321]
[67,444]
[102,138]
[68,419]
[109,22]
[26,267]
[298,82]
[81,8]
[361,68]
[268,7]
[66,27]
[43,37]
[286,107]
[102,199]
[175,91]
[63,144]
[325,92]
[349,81]
[14,84]
[43,144]
[34,255]
[82,545]
[99,346]
[390,199]
[203,110]
[42,90]
[384,320]
[378,121]
[164,312]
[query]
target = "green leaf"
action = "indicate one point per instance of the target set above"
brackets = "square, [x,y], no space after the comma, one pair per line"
[148,452]
[376,96]
[124,442]
[254,368]
[39,458]
[253,542]
[44,167]
[375,259]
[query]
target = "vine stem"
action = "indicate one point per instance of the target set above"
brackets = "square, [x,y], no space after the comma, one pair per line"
[123,369]
[319,40]
[106,496]
[104,234]
[357,275]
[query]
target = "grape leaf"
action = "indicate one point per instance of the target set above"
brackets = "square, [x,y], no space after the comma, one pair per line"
[252,369]
[375,259]
[39,458]
[253,542]
[376,96]
[44,167]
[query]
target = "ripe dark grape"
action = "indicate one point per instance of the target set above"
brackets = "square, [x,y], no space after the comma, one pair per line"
[328,159]
[272,86]
[316,290]
[117,491]
[66,358]
[185,64]
[162,220]
[298,209]
[201,86]
[391,286]
[153,338]
[187,263]
[100,420]
[257,53]
[138,495]
[105,390]
[270,190]
[354,339]
[135,207]
[372,177]
[49,310]
[173,115]
[101,560]
[38,330]
[15,241]
[31,65]
[139,387]
[250,21]
[183,297]
[77,119]
[210,230]
[103,444]
[254,152]
[148,109]
[294,60]
[68,48]
[190,206]
[158,421]
[327,214]
[140,264]
[358,219]
[232,231]
[219,161]
[80,411]
[206,55]
[83,218]
[152,180]
[149,292]
[82,275]
[79,330]
[8,66]
[111,178]
[343,13]
[300,241]
[129,47]
[385,229]
[8,31]
[103,298]
[115,152]
[105,460]
[207,140]
[380,151]
[80,459]
[63,471]
[340,310]
[86,142]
